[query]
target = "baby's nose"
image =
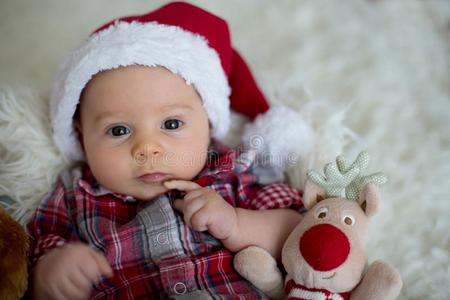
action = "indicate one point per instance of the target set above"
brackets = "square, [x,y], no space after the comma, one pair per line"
[324,247]
[142,152]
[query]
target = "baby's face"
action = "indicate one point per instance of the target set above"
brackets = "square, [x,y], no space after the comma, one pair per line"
[141,126]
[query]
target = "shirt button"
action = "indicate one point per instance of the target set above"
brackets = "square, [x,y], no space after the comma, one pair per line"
[162,239]
[179,288]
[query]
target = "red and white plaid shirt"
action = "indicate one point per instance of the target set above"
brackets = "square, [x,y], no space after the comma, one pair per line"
[153,253]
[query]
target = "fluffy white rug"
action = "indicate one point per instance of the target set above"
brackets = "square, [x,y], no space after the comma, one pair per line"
[366,74]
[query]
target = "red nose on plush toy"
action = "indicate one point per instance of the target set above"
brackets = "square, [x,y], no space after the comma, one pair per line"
[324,247]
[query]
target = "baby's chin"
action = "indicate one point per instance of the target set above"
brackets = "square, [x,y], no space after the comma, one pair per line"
[148,192]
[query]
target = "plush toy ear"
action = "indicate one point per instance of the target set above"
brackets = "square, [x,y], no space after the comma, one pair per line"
[312,194]
[369,199]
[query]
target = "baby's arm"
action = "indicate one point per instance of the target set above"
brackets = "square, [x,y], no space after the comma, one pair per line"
[267,229]
[68,272]
[62,268]
[237,228]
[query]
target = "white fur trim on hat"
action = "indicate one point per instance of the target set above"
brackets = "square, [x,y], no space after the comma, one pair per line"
[281,136]
[149,44]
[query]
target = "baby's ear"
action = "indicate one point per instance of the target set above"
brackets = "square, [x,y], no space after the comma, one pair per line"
[78,131]
[77,126]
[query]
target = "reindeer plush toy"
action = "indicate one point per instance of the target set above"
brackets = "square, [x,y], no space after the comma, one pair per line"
[324,256]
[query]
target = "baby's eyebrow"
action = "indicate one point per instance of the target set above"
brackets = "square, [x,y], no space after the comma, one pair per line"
[176,106]
[103,115]
[164,108]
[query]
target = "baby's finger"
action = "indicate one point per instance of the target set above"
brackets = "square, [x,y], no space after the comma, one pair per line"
[199,220]
[58,293]
[90,269]
[70,291]
[195,194]
[80,280]
[178,204]
[181,185]
[102,263]
[192,208]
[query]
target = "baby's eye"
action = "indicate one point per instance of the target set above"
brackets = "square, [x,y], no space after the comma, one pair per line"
[118,130]
[172,124]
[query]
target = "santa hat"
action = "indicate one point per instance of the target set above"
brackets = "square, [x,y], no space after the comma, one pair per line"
[196,45]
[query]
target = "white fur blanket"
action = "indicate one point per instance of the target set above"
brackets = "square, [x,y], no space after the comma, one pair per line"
[368,75]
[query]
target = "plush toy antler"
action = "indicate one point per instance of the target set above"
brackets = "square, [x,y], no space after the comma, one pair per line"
[340,177]
[324,256]
[353,190]
[335,181]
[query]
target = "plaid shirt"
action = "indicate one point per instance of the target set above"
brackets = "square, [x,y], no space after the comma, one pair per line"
[153,253]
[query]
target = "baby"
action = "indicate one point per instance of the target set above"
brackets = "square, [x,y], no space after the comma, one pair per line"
[157,205]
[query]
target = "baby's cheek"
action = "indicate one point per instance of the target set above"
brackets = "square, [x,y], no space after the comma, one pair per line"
[191,162]
[109,174]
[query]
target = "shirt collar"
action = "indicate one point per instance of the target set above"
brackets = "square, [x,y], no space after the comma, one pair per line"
[91,186]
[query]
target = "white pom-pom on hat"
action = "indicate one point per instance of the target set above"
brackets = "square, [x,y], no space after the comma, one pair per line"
[281,136]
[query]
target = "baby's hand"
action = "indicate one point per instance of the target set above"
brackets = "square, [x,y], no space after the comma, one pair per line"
[204,209]
[69,272]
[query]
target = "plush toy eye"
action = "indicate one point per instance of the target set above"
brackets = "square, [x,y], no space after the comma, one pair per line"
[349,220]
[322,213]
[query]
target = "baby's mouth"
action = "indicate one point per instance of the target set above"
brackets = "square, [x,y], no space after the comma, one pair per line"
[156,177]
[329,277]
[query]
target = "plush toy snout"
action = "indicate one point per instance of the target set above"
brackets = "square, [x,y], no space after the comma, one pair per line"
[324,247]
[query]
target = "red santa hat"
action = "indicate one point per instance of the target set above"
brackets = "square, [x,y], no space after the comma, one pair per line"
[196,45]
